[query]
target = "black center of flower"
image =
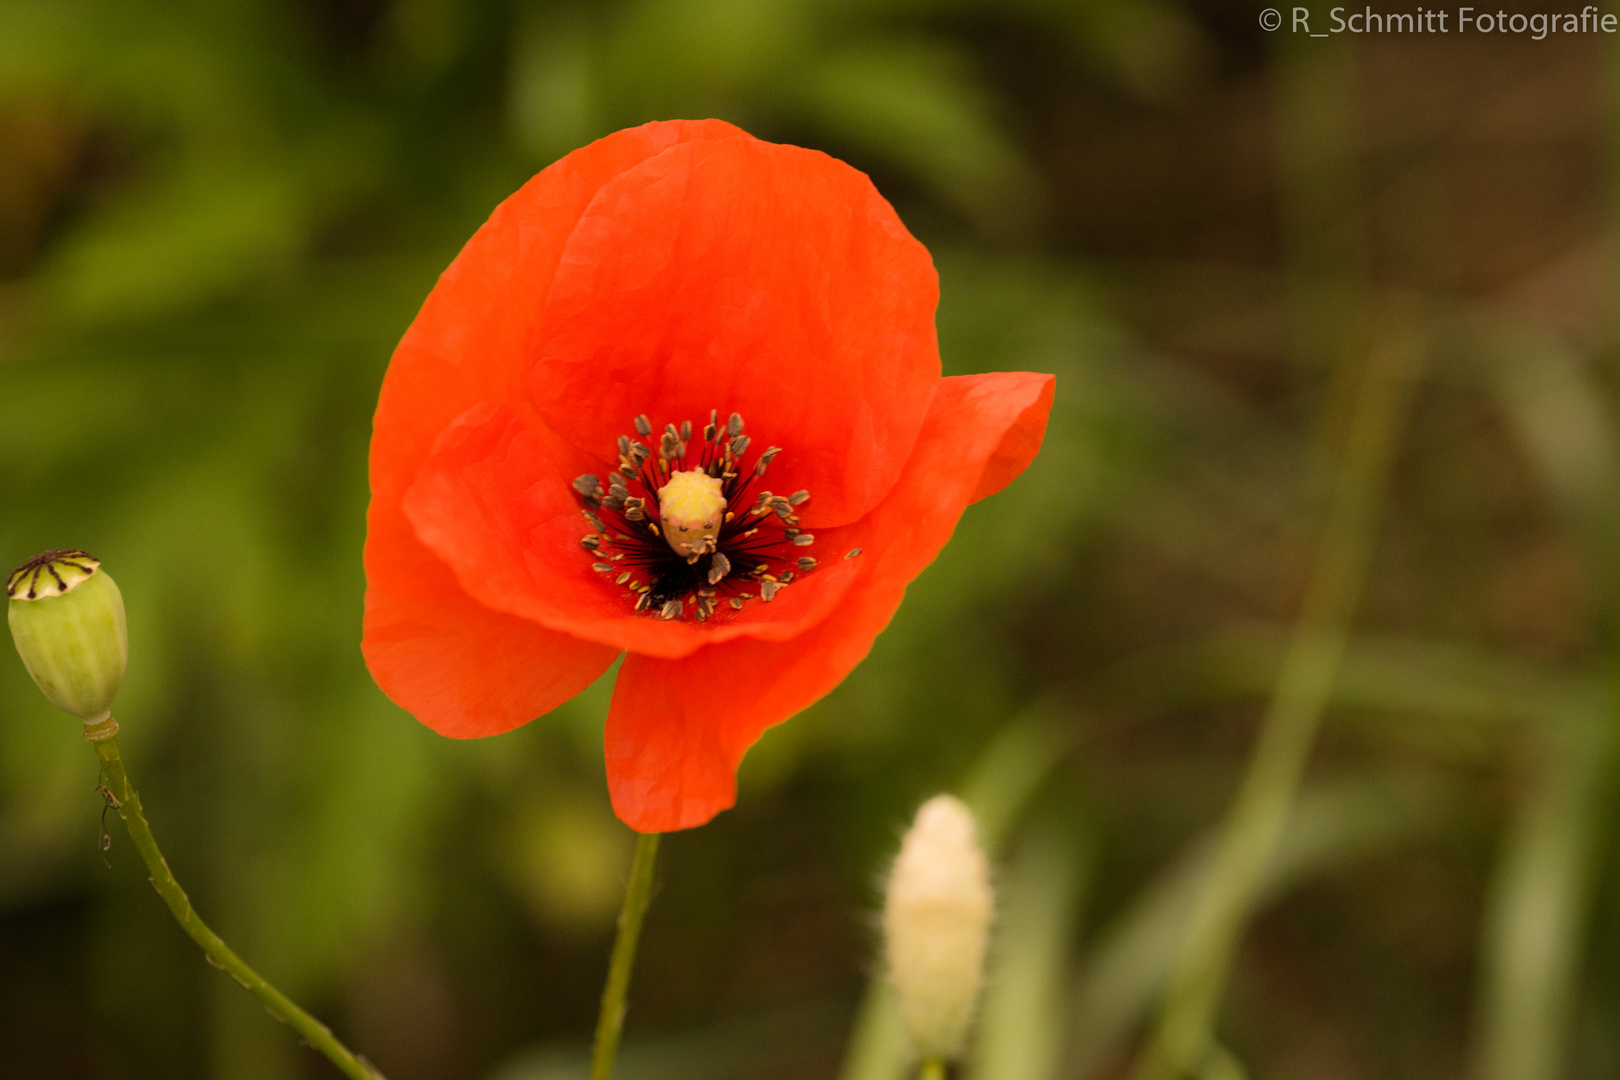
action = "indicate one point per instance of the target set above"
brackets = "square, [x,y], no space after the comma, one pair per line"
[682,529]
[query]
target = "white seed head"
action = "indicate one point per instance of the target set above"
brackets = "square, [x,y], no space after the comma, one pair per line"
[693,507]
[936,924]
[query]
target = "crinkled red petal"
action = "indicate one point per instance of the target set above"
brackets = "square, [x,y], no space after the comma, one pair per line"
[458,666]
[747,277]
[494,502]
[677,729]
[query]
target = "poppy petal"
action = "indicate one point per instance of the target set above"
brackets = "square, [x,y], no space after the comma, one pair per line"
[1019,446]
[467,343]
[429,646]
[460,668]
[677,730]
[494,502]
[748,277]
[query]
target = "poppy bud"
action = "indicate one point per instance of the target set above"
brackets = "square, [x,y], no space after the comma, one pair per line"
[936,923]
[67,619]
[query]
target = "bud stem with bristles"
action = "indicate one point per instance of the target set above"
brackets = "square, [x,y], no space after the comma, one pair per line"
[122,797]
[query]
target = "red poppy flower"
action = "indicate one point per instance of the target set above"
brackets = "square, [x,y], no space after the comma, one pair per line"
[678,398]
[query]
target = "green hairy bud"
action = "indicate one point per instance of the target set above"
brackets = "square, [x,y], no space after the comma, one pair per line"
[67,619]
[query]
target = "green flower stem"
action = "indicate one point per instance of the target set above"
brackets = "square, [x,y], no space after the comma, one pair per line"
[1182,1044]
[610,1024]
[128,804]
[932,1069]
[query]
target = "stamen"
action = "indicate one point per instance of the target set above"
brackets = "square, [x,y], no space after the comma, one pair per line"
[684,534]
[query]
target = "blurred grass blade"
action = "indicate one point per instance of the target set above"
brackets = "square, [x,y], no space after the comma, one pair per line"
[1010,772]
[1330,825]
[1535,926]
[1021,1022]
[1319,198]
[1535,922]
[915,105]
[1152,48]
[1383,681]
[877,1046]
[1222,1065]
[1556,405]
[1258,815]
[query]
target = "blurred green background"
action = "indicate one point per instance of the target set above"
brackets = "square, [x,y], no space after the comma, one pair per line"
[216,218]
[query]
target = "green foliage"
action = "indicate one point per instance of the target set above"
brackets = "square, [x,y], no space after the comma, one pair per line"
[217,218]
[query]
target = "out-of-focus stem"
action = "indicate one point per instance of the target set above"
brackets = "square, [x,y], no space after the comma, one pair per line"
[615,996]
[1182,1041]
[1535,923]
[1319,200]
[932,1069]
[127,802]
